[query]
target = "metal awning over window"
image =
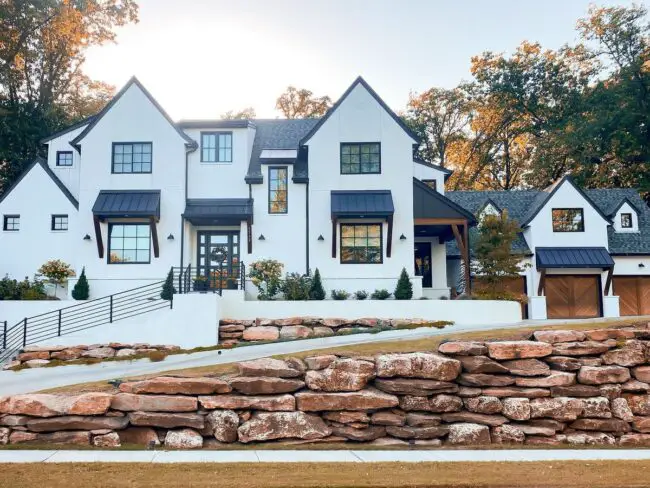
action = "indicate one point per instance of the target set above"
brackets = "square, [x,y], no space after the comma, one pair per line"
[362,203]
[127,204]
[573,257]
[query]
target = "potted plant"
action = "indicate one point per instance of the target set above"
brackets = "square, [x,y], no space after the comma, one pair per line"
[200,283]
[231,282]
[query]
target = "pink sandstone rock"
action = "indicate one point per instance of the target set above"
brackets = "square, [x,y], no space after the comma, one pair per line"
[128,402]
[437,403]
[368,399]
[236,402]
[76,422]
[418,365]
[183,439]
[223,425]
[28,356]
[463,348]
[99,353]
[481,364]
[527,367]
[586,348]
[553,336]
[467,433]
[516,408]
[599,375]
[555,378]
[170,385]
[596,407]
[46,405]
[283,425]
[507,434]
[621,410]
[261,333]
[249,385]
[563,409]
[483,404]
[141,436]
[642,373]
[518,349]
[341,375]
[111,439]
[604,334]
[632,354]
[167,420]
[268,367]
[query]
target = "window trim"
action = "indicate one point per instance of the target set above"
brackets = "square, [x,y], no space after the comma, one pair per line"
[110,227]
[286,210]
[631,226]
[343,144]
[582,218]
[60,153]
[5,219]
[216,133]
[118,143]
[53,220]
[365,224]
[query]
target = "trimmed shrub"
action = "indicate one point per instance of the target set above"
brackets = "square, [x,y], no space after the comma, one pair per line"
[167,288]
[340,295]
[404,288]
[382,294]
[11,289]
[316,290]
[81,290]
[296,287]
[361,294]
[266,276]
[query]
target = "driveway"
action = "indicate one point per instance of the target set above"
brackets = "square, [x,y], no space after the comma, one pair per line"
[30,380]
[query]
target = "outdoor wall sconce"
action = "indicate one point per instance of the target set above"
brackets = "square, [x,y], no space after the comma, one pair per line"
[641,265]
[402,237]
[321,238]
[86,237]
[261,237]
[170,237]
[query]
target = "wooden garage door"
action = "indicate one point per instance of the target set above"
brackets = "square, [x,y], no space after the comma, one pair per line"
[634,294]
[572,296]
[513,285]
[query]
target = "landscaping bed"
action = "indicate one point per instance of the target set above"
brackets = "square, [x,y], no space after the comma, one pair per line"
[563,387]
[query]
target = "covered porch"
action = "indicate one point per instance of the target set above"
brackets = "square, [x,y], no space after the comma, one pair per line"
[436,220]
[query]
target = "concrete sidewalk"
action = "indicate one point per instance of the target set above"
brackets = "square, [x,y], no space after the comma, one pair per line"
[30,380]
[344,456]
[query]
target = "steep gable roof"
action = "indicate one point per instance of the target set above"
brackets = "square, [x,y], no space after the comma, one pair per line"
[70,128]
[447,172]
[189,142]
[362,82]
[50,173]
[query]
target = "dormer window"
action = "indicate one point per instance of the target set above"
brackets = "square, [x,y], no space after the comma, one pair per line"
[626,221]
[216,147]
[568,220]
[360,158]
[64,158]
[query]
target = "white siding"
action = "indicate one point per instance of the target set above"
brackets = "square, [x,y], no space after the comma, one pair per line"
[69,175]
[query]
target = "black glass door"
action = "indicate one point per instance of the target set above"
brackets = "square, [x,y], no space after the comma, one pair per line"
[423,263]
[211,272]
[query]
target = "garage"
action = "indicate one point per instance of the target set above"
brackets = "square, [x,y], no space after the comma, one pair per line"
[573,296]
[570,278]
[633,293]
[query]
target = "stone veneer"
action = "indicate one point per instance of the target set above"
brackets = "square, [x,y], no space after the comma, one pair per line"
[236,331]
[559,387]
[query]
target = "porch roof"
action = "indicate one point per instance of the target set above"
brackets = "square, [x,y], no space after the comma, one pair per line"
[573,257]
[218,211]
[127,204]
[362,203]
[430,204]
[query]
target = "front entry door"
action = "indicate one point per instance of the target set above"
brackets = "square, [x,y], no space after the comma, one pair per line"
[208,244]
[423,263]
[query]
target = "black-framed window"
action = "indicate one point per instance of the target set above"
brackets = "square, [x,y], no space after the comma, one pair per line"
[11,223]
[59,222]
[216,147]
[568,220]
[278,190]
[361,244]
[132,157]
[64,158]
[360,158]
[129,243]
[626,221]
[433,184]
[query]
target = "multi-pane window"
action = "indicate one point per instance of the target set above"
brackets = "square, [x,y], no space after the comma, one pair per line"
[64,158]
[430,183]
[216,147]
[360,158]
[59,222]
[132,157]
[129,243]
[11,223]
[626,221]
[568,220]
[361,243]
[278,190]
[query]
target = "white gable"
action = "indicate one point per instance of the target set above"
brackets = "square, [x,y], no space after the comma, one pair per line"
[626,215]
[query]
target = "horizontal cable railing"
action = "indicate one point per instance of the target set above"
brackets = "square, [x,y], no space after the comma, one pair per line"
[82,316]
[209,280]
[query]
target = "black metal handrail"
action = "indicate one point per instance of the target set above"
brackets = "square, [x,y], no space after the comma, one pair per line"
[201,280]
[82,316]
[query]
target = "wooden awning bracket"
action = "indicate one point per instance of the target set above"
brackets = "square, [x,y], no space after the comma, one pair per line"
[154,237]
[98,237]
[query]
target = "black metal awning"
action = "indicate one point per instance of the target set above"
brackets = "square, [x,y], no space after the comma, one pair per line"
[362,203]
[127,204]
[573,257]
[218,211]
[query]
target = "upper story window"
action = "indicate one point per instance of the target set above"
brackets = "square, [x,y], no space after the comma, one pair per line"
[626,221]
[129,243]
[132,157]
[59,222]
[278,190]
[11,223]
[64,158]
[431,184]
[568,220]
[361,243]
[360,158]
[216,147]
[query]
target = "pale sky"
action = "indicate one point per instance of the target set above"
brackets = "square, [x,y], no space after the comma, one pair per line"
[200,58]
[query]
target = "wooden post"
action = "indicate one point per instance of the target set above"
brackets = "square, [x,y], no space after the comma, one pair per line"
[333,237]
[389,237]
[154,237]
[542,279]
[608,282]
[98,237]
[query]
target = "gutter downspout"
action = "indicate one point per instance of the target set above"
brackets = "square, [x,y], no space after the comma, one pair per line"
[307,228]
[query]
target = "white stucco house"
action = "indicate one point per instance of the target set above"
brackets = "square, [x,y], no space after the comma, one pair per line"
[129,194]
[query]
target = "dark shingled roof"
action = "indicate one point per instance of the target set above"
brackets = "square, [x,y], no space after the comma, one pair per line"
[520,204]
[278,134]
